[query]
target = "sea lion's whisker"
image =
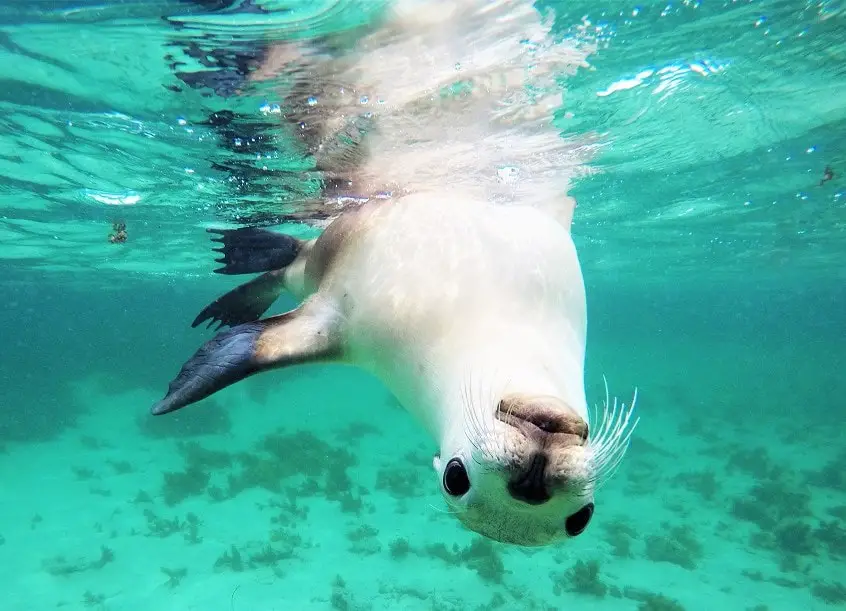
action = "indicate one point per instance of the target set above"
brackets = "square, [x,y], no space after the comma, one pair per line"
[471,424]
[481,406]
[488,405]
[611,440]
[474,426]
[478,408]
[467,414]
[506,381]
[446,511]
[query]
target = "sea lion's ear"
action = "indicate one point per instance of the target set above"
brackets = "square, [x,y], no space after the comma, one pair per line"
[304,335]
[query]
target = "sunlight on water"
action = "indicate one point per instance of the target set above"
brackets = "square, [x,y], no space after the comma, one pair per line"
[697,99]
[665,78]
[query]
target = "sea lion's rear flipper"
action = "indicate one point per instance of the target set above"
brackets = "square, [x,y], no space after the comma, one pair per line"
[304,335]
[249,250]
[245,303]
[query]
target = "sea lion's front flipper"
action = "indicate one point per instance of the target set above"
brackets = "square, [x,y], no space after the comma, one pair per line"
[304,335]
[249,250]
[245,303]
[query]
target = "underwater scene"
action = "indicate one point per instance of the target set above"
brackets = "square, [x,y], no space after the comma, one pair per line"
[700,147]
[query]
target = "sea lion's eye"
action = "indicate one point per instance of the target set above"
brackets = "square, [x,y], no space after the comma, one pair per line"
[576,523]
[456,482]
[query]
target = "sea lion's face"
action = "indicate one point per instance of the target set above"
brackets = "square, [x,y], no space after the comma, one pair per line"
[524,478]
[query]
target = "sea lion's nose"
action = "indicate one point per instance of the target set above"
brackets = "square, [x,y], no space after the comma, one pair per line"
[529,485]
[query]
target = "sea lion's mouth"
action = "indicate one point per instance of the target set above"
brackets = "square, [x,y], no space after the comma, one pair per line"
[545,422]
[536,416]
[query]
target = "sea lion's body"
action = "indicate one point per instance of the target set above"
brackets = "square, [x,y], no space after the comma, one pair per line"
[472,314]
[456,282]
[431,288]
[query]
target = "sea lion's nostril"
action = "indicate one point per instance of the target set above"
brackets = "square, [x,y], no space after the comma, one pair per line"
[547,424]
[530,486]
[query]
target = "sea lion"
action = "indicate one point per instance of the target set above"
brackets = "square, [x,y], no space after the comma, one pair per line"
[464,296]
[472,314]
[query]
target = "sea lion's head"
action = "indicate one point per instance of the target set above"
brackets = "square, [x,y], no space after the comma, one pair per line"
[527,476]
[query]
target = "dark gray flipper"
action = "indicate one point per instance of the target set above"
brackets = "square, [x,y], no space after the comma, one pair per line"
[249,250]
[299,336]
[245,303]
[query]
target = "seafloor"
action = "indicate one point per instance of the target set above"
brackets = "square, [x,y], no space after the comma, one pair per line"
[311,489]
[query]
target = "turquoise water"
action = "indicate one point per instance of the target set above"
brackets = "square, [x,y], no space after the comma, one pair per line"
[713,252]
